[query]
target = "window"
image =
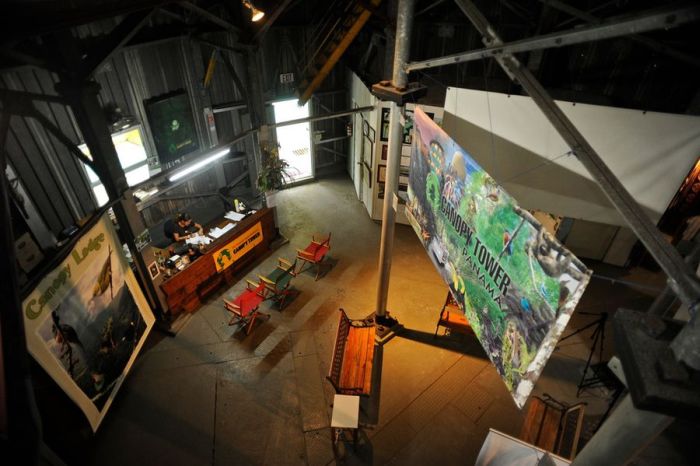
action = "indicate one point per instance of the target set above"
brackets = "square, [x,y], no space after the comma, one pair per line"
[132,157]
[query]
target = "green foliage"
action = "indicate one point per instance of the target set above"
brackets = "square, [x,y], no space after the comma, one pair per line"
[273,170]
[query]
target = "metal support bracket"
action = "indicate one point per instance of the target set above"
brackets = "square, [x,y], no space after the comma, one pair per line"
[385,90]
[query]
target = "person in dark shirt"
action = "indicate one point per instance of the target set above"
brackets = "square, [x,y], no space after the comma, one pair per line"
[180,229]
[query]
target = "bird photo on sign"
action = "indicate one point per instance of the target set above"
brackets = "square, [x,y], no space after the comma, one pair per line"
[86,321]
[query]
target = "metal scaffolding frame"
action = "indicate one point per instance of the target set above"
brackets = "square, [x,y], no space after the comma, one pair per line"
[609,446]
[648,21]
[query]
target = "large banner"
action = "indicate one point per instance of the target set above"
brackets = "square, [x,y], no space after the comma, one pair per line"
[87,320]
[516,283]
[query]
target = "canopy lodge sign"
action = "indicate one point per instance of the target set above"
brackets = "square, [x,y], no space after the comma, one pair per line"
[87,319]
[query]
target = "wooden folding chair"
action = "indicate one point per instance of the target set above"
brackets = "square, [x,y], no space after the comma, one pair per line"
[277,282]
[452,318]
[314,253]
[244,308]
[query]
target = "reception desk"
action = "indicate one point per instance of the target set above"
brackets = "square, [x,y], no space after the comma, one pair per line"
[221,260]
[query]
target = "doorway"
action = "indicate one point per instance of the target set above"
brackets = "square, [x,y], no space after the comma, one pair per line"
[294,140]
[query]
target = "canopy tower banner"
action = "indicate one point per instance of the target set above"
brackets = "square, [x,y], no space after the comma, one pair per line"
[87,320]
[516,283]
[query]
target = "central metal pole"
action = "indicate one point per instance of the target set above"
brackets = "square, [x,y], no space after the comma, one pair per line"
[402,48]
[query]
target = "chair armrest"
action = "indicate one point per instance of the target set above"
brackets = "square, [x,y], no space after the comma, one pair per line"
[231,305]
[251,285]
[266,280]
[304,255]
[287,267]
[285,264]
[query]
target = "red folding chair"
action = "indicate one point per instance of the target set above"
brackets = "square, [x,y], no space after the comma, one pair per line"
[314,253]
[244,308]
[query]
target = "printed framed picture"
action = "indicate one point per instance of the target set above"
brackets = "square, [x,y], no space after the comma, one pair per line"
[153,270]
[381,174]
[384,135]
[385,148]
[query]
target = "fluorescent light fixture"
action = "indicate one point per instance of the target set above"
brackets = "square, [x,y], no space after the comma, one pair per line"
[256,15]
[198,165]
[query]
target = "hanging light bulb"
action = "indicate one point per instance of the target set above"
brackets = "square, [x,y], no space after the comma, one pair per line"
[256,15]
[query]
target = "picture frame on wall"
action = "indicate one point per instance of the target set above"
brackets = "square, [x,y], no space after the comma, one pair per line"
[385,149]
[153,270]
[384,134]
[381,174]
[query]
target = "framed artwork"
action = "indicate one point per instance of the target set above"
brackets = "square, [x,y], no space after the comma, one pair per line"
[381,174]
[384,135]
[385,148]
[380,190]
[153,270]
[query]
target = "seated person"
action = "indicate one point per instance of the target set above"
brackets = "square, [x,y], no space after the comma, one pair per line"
[180,229]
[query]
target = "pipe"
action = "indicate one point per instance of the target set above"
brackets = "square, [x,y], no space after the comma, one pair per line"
[402,48]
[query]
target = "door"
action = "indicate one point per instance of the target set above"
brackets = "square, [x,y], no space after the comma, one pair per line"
[294,140]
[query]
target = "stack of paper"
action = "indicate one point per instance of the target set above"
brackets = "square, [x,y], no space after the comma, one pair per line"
[199,239]
[234,216]
[217,232]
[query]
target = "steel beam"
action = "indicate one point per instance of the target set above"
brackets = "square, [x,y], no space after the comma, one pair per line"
[329,116]
[608,444]
[210,17]
[228,107]
[667,257]
[19,421]
[235,78]
[82,98]
[112,43]
[644,22]
[653,44]
[270,20]
[6,94]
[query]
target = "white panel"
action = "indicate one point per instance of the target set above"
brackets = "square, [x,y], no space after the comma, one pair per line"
[649,152]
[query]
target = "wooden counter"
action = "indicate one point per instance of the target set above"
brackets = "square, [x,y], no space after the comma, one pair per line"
[186,290]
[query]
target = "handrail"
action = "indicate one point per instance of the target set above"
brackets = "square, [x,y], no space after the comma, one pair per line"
[326,29]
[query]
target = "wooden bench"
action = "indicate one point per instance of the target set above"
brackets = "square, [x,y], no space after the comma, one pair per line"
[452,318]
[353,352]
[553,426]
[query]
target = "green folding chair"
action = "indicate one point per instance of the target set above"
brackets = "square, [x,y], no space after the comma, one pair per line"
[278,281]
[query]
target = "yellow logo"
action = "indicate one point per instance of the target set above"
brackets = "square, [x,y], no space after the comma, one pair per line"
[238,247]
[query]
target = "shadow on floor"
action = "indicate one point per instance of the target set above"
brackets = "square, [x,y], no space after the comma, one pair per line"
[466,345]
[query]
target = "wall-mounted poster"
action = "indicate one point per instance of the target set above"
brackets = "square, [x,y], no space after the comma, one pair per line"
[516,283]
[87,320]
[172,125]
[384,133]
[381,174]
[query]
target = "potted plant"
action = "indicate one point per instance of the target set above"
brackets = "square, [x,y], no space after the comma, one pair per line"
[273,172]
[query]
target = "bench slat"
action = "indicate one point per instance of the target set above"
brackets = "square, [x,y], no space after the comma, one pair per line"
[351,366]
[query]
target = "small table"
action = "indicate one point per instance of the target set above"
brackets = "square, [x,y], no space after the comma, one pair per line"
[346,415]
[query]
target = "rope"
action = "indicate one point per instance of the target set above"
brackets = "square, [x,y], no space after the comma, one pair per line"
[546,162]
[493,143]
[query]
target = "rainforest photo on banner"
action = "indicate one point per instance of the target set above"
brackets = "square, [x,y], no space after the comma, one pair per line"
[516,284]
[87,319]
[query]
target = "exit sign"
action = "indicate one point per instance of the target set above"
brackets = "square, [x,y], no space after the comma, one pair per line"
[287,78]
